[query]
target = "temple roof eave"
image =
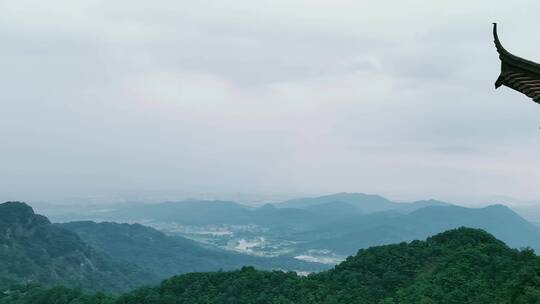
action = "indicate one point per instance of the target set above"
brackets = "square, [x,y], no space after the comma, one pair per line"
[510,60]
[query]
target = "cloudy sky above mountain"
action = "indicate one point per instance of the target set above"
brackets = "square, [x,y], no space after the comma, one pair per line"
[273,97]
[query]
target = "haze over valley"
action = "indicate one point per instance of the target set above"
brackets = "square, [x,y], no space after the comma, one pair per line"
[324,230]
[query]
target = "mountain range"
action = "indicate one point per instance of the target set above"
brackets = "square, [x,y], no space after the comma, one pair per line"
[348,235]
[358,202]
[304,235]
[339,223]
[466,266]
[108,256]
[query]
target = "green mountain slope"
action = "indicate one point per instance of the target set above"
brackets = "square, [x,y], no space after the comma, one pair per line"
[165,255]
[34,250]
[458,266]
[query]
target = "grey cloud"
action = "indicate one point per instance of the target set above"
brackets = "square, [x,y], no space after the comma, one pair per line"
[271,97]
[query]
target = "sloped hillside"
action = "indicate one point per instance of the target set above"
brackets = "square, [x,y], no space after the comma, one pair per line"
[34,250]
[165,255]
[465,266]
[348,235]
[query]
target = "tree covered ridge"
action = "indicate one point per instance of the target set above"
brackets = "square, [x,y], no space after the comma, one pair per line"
[458,266]
[34,250]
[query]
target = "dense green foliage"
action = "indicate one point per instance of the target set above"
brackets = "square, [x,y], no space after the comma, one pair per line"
[458,266]
[106,256]
[34,250]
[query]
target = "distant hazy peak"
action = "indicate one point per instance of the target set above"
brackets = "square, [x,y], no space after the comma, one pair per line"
[354,195]
[431,202]
[502,209]
[498,207]
[267,207]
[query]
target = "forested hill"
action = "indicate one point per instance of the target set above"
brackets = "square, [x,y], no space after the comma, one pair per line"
[34,250]
[458,266]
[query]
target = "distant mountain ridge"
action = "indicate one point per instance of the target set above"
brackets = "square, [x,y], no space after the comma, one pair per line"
[304,211]
[369,202]
[364,203]
[378,229]
[340,223]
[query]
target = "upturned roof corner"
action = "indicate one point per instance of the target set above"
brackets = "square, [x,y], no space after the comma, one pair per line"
[517,73]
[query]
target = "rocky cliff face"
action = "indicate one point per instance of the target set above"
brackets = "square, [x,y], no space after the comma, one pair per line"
[32,250]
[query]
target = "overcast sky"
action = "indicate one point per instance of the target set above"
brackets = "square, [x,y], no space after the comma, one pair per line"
[127,98]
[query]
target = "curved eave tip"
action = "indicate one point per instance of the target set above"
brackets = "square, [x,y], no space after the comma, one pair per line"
[498,44]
